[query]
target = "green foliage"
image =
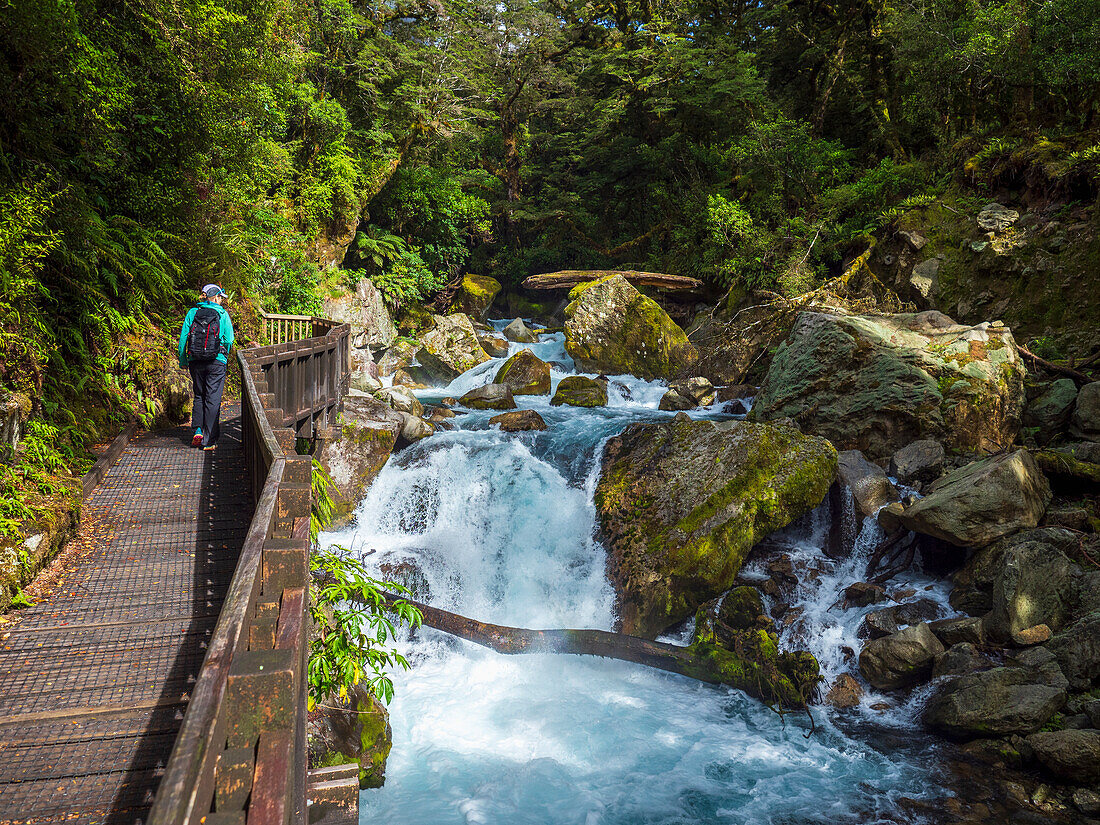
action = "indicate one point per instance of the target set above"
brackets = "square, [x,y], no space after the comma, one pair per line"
[354,631]
[322,507]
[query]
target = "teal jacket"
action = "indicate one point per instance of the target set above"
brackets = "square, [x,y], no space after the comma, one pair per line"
[225,332]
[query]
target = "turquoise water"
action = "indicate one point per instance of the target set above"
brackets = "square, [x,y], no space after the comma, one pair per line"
[502,526]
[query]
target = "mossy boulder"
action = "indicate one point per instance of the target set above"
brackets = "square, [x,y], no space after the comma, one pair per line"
[352,729]
[369,431]
[474,296]
[878,382]
[525,374]
[579,391]
[489,397]
[517,421]
[682,502]
[450,347]
[612,328]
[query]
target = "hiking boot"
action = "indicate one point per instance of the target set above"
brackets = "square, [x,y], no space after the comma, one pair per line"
[196,440]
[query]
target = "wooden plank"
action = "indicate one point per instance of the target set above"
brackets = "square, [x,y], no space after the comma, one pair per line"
[106,461]
[271,782]
[291,619]
[569,278]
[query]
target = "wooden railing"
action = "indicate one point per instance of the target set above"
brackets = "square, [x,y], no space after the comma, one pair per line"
[240,756]
[279,329]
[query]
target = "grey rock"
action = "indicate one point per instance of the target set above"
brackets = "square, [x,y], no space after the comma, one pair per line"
[921,461]
[672,401]
[1086,413]
[489,397]
[997,702]
[365,382]
[959,660]
[890,620]
[1036,584]
[1077,649]
[862,594]
[974,581]
[957,631]
[369,431]
[997,218]
[525,374]
[450,347]
[1069,754]
[365,312]
[400,399]
[401,354]
[414,428]
[518,421]
[698,389]
[915,240]
[982,501]
[903,659]
[1051,411]
[868,482]
[925,278]
[494,345]
[1087,802]
[520,333]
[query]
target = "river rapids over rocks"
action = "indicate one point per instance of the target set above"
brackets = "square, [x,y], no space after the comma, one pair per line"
[503,528]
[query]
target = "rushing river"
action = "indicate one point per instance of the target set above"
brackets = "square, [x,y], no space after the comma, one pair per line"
[502,526]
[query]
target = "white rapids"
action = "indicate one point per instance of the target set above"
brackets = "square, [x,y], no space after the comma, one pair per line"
[502,525]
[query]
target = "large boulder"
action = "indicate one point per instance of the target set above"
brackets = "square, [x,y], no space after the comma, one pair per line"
[982,501]
[701,392]
[474,296]
[1051,411]
[400,355]
[682,502]
[737,333]
[365,312]
[1077,651]
[975,580]
[401,399]
[997,702]
[1086,412]
[525,374]
[519,333]
[612,328]
[489,397]
[868,482]
[579,391]
[901,659]
[369,430]
[1036,584]
[878,382]
[1069,754]
[919,462]
[451,347]
[516,421]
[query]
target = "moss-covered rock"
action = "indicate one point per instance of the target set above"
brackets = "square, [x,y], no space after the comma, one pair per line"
[354,729]
[369,431]
[451,347]
[612,328]
[525,374]
[751,661]
[878,382]
[578,391]
[474,296]
[682,502]
[489,397]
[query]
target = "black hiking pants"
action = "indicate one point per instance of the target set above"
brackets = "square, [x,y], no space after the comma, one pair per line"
[207,382]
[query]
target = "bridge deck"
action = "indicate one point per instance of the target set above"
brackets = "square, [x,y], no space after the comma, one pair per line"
[94,679]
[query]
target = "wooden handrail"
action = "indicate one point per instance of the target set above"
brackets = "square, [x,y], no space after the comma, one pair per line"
[243,719]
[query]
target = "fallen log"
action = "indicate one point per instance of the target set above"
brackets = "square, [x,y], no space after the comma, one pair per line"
[1057,463]
[1057,369]
[758,668]
[569,278]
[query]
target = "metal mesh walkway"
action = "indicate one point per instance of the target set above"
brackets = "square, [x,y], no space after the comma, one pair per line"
[94,679]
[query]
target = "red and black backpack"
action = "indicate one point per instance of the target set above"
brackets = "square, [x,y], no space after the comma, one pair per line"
[204,340]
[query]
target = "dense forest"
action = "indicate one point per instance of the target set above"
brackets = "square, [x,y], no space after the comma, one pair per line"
[149,147]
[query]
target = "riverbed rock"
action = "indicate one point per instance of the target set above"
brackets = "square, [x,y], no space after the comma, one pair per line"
[899,660]
[878,382]
[974,581]
[450,348]
[579,391]
[365,382]
[400,355]
[519,333]
[1069,754]
[699,390]
[519,421]
[1086,412]
[959,660]
[889,620]
[861,594]
[1051,411]
[474,296]
[525,374]
[414,428]
[868,482]
[920,462]
[681,503]
[369,430]
[612,328]
[1036,584]
[997,702]
[405,377]
[957,631]
[489,397]
[845,692]
[982,501]
[351,729]
[494,345]
[1077,651]
[672,401]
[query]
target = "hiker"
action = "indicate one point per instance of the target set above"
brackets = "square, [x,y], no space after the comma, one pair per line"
[205,342]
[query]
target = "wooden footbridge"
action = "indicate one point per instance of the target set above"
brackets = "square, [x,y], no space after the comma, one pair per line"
[162,680]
